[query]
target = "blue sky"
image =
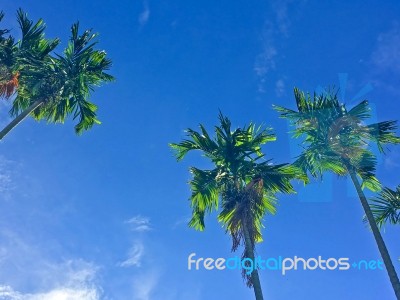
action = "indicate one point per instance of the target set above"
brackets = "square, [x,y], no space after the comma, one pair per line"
[103,215]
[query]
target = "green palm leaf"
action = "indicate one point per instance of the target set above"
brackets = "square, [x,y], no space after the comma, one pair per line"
[386,206]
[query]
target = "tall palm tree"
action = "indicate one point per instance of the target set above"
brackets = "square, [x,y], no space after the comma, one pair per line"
[243,183]
[338,140]
[51,87]
[386,206]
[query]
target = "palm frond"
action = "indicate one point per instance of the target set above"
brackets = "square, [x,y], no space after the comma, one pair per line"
[33,45]
[361,111]
[277,178]
[386,206]
[365,166]
[204,197]
[77,73]
[382,133]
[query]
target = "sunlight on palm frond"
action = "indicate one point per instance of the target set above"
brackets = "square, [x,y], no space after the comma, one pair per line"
[386,206]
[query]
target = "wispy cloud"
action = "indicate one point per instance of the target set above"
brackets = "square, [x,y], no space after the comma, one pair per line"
[145,285]
[146,264]
[80,293]
[5,175]
[23,263]
[280,88]
[392,159]
[265,62]
[8,170]
[182,221]
[135,256]
[386,55]
[144,15]
[7,292]
[139,223]
[145,279]
[384,61]
[71,280]
[280,7]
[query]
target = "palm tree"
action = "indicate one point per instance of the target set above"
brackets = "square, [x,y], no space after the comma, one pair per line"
[336,139]
[31,51]
[243,183]
[386,206]
[51,87]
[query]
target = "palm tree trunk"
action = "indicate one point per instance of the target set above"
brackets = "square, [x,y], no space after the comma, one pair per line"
[19,118]
[394,279]
[255,279]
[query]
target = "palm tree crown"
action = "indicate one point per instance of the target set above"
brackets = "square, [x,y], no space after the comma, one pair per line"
[51,86]
[241,179]
[336,138]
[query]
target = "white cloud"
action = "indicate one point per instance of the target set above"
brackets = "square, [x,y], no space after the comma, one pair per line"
[280,88]
[28,272]
[67,294]
[145,285]
[182,221]
[73,280]
[280,7]
[144,15]
[135,256]
[265,62]
[392,159]
[384,61]
[8,169]
[8,293]
[387,52]
[139,223]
